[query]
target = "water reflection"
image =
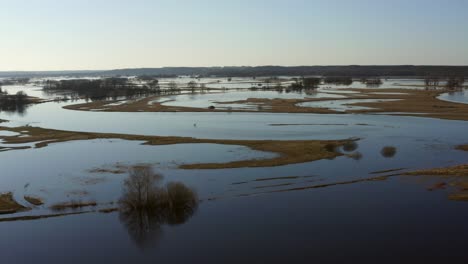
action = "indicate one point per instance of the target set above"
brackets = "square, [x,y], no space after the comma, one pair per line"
[16,103]
[146,205]
[350,146]
[356,155]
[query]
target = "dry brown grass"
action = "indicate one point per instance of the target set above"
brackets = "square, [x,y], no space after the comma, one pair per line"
[109,210]
[460,170]
[8,205]
[37,217]
[461,196]
[462,147]
[415,102]
[412,103]
[454,178]
[385,171]
[72,205]
[290,152]
[33,200]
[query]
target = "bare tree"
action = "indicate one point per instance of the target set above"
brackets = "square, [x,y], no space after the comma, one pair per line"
[146,205]
[192,86]
[173,87]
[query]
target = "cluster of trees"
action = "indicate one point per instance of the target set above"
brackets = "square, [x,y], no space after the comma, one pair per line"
[340,80]
[371,81]
[147,204]
[195,87]
[452,83]
[15,102]
[301,84]
[455,83]
[432,81]
[104,88]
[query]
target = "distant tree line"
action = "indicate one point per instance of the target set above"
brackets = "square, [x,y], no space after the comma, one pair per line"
[354,71]
[105,88]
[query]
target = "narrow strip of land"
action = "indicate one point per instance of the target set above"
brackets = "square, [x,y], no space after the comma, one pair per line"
[409,102]
[289,152]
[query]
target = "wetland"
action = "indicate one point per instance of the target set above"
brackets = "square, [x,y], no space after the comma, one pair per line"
[144,168]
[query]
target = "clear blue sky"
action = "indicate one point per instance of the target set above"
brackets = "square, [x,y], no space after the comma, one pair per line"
[100,34]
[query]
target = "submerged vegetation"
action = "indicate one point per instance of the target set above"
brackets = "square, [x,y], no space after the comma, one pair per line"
[74,205]
[146,204]
[459,170]
[420,103]
[372,82]
[453,178]
[451,83]
[14,102]
[462,147]
[388,151]
[101,89]
[455,83]
[338,80]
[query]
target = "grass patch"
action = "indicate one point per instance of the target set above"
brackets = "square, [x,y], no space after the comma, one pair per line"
[460,170]
[385,171]
[108,210]
[411,102]
[388,151]
[455,180]
[33,200]
[8,205]
[74,205]
[462,196]
[462,147]
[37,217]
[290,152]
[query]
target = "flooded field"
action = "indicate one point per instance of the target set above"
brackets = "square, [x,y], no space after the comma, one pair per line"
[458,97]
[80,191]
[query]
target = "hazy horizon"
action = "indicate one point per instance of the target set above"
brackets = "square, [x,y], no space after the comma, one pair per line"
[57,35]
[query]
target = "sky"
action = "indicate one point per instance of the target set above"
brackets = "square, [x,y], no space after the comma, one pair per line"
[113,34]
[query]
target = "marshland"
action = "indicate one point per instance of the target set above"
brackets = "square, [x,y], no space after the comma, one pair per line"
[320,131]
[83,142]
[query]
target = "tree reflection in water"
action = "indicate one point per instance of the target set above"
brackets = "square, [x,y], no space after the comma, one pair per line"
[146,205]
